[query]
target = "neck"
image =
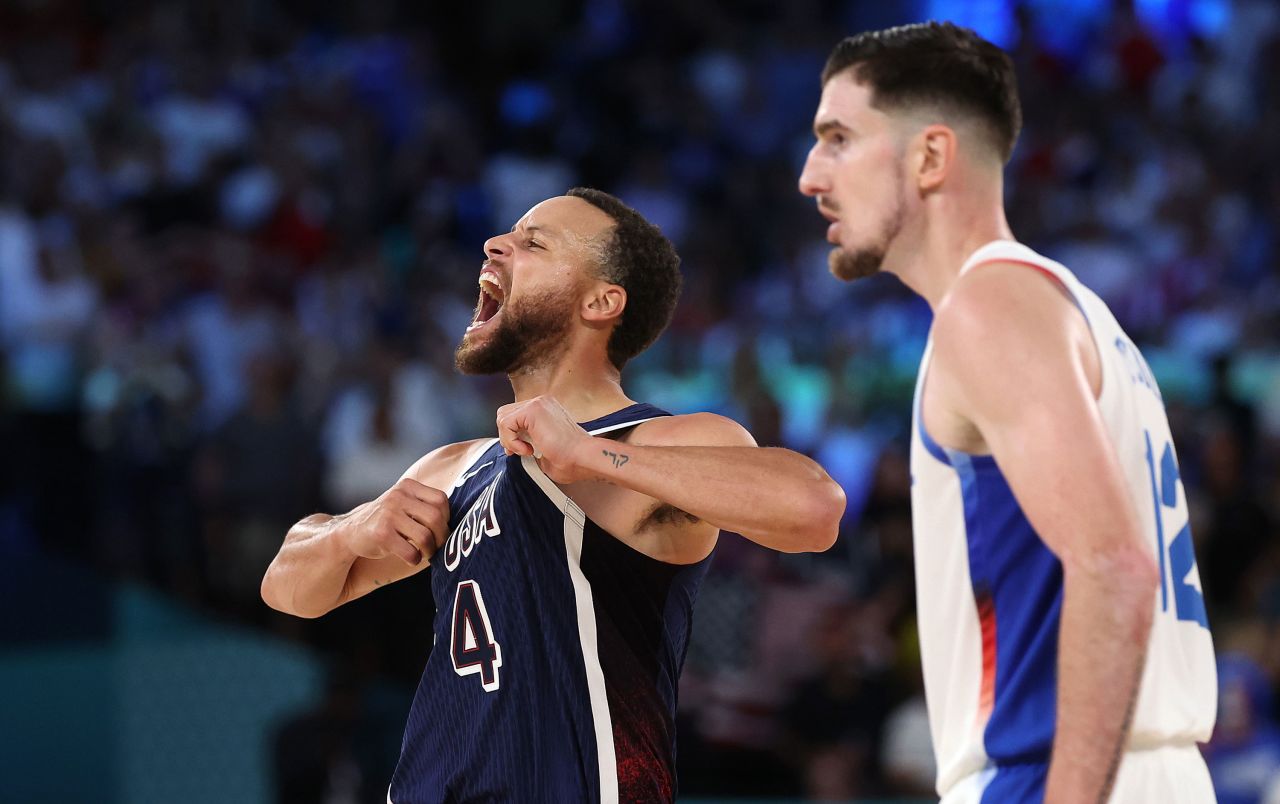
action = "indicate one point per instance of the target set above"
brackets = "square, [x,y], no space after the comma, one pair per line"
[949,231]
[587,387]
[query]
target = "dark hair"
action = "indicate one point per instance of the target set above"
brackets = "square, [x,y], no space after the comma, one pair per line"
[936,63]
[642,260]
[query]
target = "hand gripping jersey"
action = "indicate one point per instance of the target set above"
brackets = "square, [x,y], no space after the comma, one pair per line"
[989,593]
[557,649]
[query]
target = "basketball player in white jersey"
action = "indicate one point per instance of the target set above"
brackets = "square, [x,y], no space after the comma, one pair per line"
[1066,652]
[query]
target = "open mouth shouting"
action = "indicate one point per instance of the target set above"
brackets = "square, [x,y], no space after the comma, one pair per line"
[491,298]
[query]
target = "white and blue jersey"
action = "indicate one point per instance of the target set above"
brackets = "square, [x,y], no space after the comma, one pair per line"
[989,592]
[557,652]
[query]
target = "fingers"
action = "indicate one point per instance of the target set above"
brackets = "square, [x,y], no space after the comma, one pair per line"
[520,444]
[434,517]
[412,521]
[511,431]
[423,518]
[418,491]
[426,526]
[405,550]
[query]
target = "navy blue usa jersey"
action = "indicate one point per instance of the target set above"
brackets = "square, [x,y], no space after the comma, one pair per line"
[557,649]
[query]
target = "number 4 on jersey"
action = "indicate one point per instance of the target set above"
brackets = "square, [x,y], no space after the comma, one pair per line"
[1166,483]
[471,644]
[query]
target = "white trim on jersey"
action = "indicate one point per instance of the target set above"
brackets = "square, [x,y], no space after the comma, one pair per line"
[574,522]
[613,427]
[474,454]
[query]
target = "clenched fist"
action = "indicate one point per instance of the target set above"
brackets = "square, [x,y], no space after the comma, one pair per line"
[543,428]
[409,521]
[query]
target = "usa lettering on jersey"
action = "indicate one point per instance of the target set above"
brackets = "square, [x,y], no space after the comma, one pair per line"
[481,520]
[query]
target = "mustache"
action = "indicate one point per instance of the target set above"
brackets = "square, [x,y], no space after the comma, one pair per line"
[828,204]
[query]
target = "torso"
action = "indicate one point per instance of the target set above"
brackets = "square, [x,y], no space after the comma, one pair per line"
[990,592]
[557,646]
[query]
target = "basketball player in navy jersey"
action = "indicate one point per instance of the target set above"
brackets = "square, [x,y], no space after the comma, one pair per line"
[1067,657]
[566,553]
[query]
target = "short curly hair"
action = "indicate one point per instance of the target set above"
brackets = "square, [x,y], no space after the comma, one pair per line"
[936,63]
[639,258]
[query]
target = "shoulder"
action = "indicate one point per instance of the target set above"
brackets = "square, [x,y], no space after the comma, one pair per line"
[692,430]
[1002,310]
[439,467]
[1010,343]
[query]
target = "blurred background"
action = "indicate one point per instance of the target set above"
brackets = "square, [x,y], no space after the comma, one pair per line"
[239,240]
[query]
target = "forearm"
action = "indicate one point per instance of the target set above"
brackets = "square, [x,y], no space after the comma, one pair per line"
[309,575]
[1105,625]
[775,497]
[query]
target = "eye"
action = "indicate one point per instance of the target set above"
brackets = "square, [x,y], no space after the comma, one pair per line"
[531,243]
[838,138]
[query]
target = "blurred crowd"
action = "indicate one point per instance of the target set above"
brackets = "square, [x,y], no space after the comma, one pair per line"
[239,241]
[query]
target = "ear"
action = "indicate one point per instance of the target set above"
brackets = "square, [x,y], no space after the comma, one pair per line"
[604,304]
[935,156]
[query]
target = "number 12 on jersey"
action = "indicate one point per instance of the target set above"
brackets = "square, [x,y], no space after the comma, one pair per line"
[1166,484]
[472,646]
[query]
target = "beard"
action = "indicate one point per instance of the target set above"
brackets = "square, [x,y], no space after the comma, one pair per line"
[850,264]
[530,334]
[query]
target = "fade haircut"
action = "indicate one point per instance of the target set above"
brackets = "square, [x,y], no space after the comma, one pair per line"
[935,64]
[639,258]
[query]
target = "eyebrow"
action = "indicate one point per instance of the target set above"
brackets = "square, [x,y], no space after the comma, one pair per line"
[535,228]
[827,126]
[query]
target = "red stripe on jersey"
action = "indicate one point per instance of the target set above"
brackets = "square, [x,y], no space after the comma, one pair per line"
[1057,280]
[987,622]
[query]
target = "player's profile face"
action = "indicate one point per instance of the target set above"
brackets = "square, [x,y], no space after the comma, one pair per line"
[530,283]
[853,173]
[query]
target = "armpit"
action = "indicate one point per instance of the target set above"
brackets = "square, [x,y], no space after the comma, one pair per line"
[664,514]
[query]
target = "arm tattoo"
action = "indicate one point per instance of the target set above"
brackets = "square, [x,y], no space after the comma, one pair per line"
[619,460]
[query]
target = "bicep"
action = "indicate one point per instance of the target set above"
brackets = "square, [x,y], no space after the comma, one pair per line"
[1016,373]
[1064,472]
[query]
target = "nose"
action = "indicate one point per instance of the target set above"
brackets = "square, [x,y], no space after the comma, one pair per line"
[497,246]
[813,179]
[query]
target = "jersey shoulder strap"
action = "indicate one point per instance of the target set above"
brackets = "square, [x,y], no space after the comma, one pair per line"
[622,419]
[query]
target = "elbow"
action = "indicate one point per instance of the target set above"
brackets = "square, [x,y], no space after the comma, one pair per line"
[823,513]
[269,593]
[274,597]
[1127,576]
[1133,567]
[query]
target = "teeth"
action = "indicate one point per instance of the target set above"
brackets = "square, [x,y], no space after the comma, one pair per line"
[489,284]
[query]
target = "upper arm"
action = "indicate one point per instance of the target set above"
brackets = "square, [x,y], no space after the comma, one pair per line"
[692,430]
[1008,359]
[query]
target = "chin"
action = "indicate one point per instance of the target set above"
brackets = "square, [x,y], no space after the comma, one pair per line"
[849,265]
